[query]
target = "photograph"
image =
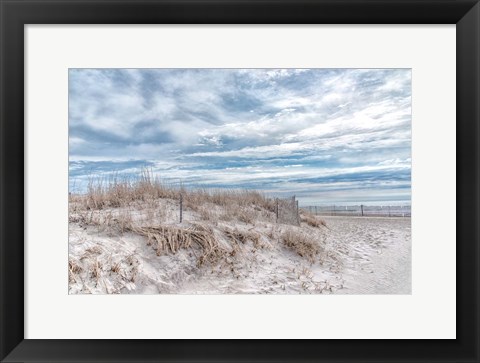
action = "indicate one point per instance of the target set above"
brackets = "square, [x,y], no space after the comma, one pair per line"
[240,177]
[239,181]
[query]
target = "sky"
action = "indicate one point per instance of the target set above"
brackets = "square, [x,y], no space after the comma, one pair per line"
[328,136]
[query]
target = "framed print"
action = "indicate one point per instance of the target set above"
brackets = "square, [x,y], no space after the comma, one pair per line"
[239,181]
[212,208]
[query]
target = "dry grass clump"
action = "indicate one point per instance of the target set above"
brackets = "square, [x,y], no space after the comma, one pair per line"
[120,221]
[132,268]
[96,269]
[233,212]
[257,199]
[312,220]
[244,215]
[126,268]
[171,239]
[226,197]
[205,213]
[302,243]
[74,269]
[229,206]
[94,250]
[242,237]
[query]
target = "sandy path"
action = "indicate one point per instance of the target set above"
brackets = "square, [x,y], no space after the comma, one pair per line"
[378,257]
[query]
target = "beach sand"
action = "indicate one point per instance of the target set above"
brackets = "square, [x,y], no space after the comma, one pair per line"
[378,253]
[363,255]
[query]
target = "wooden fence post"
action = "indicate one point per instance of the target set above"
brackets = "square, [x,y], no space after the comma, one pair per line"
[181,207]
[298,214]
[292,208]
[276,210]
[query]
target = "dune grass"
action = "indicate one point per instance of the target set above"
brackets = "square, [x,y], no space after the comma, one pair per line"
[312,220]
[303,243]
[219,221]
[170,239]
[116,191]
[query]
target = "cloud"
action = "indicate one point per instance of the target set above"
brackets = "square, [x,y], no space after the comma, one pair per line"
[274,129]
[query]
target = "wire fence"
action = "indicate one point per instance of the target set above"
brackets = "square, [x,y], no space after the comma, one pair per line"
[145,213]
[361,210]
[287,211]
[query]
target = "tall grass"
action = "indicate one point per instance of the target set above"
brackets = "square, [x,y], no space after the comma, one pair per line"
[116,191]
[120,204]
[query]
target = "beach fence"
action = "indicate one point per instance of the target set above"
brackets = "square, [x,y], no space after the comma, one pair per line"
[361,210]
[286,211]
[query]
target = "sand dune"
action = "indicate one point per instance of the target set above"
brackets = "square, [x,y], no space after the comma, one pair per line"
[249,256]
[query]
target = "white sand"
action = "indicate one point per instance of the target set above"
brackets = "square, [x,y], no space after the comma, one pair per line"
[363,256]
[378,260]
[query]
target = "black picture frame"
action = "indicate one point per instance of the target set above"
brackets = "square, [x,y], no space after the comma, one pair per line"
[17,13]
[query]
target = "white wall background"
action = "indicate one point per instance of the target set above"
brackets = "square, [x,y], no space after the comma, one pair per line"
[428,313]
